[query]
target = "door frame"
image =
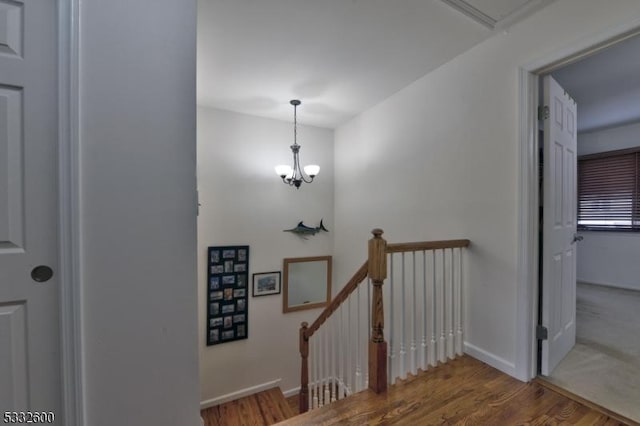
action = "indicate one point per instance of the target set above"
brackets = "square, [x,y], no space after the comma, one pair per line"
[528,197]
[69,246]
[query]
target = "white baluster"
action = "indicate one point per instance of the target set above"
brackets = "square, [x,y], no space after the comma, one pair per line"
[350,371]
[327,360]
[311,378]
[358,380]
[392,354]
[403,328]
[334,358]
[452,306]
[339,350]
[368,334]
[316,373]
[460,302]
[423,347]
[414,315]
[432,353]
[442,303]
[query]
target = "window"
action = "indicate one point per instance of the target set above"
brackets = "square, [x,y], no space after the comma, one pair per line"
[608,191]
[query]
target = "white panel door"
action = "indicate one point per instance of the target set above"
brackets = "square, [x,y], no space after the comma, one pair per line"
[29,313]
[559,224]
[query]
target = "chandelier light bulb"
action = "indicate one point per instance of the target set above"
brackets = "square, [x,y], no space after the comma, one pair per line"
[284,170]
[312,170]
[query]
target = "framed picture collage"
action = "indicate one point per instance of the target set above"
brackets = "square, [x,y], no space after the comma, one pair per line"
[227,288]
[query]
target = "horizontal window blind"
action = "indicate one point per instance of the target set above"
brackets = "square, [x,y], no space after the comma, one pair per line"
[608,191]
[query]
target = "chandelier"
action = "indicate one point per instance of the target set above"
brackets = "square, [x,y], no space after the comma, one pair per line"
[293,176]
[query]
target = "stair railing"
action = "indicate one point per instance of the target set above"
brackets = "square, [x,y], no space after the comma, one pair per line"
[433,318]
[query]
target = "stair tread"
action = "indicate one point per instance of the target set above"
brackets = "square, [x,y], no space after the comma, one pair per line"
[263,408]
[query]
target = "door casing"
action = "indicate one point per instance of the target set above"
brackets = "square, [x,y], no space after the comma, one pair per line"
[69,212]
[527,267]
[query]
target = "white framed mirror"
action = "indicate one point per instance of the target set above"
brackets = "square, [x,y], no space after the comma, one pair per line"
[306,283]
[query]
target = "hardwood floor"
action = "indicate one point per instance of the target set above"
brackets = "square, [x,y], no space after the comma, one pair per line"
[260,409]
[463,391]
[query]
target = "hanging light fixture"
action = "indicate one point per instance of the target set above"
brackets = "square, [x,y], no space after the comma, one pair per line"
[293,176]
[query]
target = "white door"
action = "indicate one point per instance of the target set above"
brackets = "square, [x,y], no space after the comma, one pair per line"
[559,225]
[29,314]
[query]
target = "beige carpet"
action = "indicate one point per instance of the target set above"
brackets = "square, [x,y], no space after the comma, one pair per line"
[604,366]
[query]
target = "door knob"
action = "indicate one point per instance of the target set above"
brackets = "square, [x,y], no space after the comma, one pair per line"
[577,238]
[41,273]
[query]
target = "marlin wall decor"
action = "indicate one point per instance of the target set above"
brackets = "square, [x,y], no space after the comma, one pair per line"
[303,230]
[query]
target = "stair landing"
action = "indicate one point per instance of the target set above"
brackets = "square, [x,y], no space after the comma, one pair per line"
[462,391]
[261,409]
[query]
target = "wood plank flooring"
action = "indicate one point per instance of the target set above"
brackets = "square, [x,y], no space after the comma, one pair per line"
[261,409]
[463,391]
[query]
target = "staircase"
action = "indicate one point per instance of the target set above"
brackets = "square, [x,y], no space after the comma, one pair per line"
[344,350]
[261,409]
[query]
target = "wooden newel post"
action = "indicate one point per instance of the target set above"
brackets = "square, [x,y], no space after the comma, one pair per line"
[303,403]
[377,345]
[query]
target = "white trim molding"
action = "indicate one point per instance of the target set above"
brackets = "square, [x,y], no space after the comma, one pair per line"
[69,212]
[239,394]
[489,358]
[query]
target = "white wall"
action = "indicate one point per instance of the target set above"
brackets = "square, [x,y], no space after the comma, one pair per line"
[609,258]
[244,202]
[439,160]
[138,167]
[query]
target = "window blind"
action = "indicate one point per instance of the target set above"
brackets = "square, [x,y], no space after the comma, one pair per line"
[608,191]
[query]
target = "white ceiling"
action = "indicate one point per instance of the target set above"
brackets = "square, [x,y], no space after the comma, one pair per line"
[606,86]
[339,57]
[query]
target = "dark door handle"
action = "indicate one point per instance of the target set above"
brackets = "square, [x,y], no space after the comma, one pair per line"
[41,273]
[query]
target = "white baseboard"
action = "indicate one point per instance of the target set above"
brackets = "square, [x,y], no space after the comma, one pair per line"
[491,359]
[239,394]
[291,392]
[619,286]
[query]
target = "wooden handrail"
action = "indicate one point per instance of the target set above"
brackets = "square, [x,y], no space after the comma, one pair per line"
[426,245]
[376,269]
[357,278]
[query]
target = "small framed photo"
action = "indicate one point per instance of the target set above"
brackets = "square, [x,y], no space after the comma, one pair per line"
[228,294]
[241,332]
[242,255]
[215,256]
[239,292]
[239,267]
[229,279]
[242,280]
[266,283]
[228,254]
[214,309]
[228,265]
[228,309]
[226,335]
[215,295]
[228,322]
[214,283]
[214,335]
[238,318]
[241,304]
[217,269]
[215,322]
